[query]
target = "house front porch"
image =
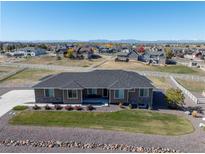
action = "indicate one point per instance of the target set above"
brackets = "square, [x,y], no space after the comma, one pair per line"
[96,101]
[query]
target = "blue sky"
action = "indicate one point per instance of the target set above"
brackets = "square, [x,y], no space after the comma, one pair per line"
[102,20]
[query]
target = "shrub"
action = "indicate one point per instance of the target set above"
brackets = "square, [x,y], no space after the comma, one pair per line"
[20,108]
[47,107]
[130,106]
[58,107]
[174,98]
[69,108]
[90,108]
[78,108]
[194,114]
[36,107]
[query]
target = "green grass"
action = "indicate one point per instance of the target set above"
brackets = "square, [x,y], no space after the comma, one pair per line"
[137,121]
[20,108]
[195,86]
[176,69]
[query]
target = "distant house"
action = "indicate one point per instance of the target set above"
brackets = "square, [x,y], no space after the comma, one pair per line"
[197,55]
[99,87]
[102,49]
[27,51]
[154,57]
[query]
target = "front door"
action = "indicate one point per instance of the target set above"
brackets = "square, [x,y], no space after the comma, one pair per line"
[105,93]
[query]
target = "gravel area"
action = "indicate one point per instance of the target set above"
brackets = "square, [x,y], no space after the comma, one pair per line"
[194,142]
[23,149]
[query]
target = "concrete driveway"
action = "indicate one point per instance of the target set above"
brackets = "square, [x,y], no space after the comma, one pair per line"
[13,98]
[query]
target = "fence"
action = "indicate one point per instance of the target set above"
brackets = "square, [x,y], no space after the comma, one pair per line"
[185,91]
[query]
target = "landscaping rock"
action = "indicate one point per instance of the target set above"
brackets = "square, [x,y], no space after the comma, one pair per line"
[67,144]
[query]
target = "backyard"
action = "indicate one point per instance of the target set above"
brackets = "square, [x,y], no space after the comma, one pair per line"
[159,82]
[27,77]
[51,60]
[6,69]
[135,65]
[136,121]
[195,86]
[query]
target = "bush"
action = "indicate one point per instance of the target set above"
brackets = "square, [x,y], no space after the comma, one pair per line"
[47,107]
[194,114]
[174,98]
[78,108]
[36,107]
[69,108]
[20,108]
[58,107]
[130,106]
[90,108]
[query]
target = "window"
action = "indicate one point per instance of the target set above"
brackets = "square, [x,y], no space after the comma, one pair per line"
[72,94]
[92,91]
[119,94]
[49,92]
[144,92]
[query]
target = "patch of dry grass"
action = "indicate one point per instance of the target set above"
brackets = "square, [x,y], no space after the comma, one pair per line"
[195,86]
[6,69]
[28,77]
[49,60]
[160,82]
[135,65]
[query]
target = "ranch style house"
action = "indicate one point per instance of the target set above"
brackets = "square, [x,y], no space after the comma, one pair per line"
[98,87]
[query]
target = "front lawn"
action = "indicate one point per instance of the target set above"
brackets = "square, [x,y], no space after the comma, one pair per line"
[138,121]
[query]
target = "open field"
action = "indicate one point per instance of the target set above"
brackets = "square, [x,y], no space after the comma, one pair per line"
[49,60]
[27,77]
[134,65]
[194,86]
[160,82]
[137,121]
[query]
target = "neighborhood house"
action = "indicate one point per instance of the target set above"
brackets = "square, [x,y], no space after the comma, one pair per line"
[99,87]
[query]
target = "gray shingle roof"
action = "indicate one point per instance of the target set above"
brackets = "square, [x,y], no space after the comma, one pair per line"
[110,79]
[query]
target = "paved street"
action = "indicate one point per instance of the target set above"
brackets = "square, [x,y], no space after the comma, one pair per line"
[13,98]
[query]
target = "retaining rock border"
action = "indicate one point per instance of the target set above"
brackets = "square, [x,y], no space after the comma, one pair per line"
[73,144]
